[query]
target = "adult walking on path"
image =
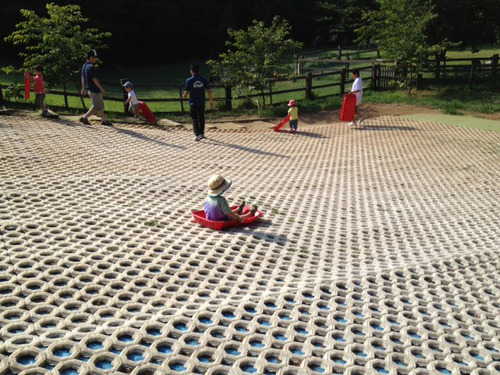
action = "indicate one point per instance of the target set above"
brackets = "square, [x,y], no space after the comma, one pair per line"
[195,88]
[92,86]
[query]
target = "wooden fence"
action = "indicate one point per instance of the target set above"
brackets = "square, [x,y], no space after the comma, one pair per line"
[376,74]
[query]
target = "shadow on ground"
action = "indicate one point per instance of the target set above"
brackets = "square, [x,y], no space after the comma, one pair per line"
[147,139]
[243,148]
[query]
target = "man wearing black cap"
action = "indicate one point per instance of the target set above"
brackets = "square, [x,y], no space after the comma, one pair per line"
[92,86]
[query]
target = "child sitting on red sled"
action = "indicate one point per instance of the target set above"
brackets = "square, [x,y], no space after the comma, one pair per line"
[216,206]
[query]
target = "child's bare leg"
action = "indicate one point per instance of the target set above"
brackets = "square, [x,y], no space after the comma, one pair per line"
[360,115]
[251,212]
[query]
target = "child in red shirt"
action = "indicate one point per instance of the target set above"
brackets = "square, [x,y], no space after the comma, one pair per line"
[39,88]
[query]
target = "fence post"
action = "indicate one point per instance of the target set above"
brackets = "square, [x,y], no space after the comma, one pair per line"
[340,52]
[1,95]
[229,97]
[270,93]
[438,68]
[182,100]
[472,70]
[124,94]
[374,77]
[342,81]
[309,95]
[419,81]
[494,65]
[378,53]
[66,104]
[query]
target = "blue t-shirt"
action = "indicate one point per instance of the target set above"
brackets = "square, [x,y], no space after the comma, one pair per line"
[217,208]
[89,72]
[196,85]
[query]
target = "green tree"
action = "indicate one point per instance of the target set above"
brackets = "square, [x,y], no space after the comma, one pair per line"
[58,42]
[399,28]
[255,55]
[341,18]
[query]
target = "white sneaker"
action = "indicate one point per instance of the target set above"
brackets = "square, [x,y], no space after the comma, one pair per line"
[197,138]
[202,136]
[352,123]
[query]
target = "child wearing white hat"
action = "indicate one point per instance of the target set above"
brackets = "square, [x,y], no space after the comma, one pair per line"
[216,206]
[132,101]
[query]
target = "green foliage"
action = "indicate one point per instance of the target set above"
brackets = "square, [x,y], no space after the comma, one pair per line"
[14,91]
[400,30]
[255,54]
[342,19]
[58,42]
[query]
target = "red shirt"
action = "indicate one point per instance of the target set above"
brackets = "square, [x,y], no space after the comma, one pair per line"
[39,86]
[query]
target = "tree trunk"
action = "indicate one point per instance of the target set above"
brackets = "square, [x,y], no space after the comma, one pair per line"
[66,104]
[411,81]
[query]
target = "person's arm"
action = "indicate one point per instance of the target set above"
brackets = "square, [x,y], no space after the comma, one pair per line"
[84,92]
[209,93]
[186,89]
[226,210]
[98,84]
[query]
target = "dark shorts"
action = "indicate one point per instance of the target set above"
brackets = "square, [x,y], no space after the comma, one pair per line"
[39,100]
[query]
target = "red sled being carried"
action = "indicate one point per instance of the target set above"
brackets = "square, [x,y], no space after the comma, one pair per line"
[146,112]
[27,86]
[283,122]
[348,108]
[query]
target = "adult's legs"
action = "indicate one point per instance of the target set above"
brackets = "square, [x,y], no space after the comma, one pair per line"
[201,119]
[198,117]
[97,106]
[194,117]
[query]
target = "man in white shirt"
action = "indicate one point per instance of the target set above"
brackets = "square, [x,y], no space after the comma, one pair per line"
[357,88]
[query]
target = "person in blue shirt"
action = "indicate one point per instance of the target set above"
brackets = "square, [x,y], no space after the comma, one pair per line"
[92,86]
[195,88]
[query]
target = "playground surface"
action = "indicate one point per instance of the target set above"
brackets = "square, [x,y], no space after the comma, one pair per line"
[378,252]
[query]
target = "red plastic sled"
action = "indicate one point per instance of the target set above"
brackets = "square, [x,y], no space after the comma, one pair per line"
[200,218]
[27,86]
[146,112]
[348,108]
[283,122]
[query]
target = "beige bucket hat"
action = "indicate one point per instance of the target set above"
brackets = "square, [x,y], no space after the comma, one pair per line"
[218,185]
